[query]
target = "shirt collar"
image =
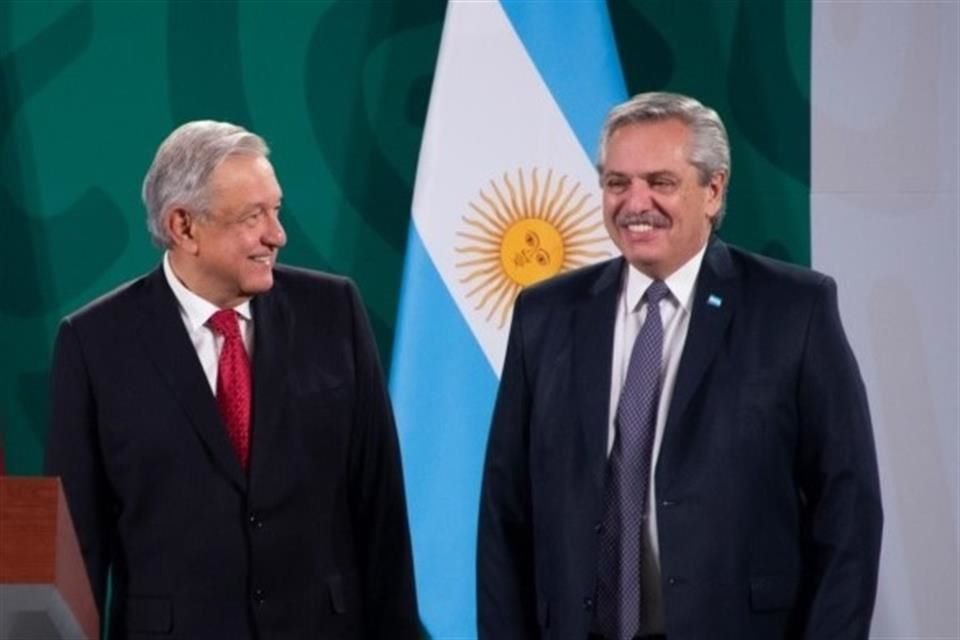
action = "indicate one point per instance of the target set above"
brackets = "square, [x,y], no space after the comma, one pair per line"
[196,309]
[680,283]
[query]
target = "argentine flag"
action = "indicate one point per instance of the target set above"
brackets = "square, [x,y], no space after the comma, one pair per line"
[506,195]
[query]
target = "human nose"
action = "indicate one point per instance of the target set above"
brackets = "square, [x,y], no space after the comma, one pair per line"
[638,195]
[275,235]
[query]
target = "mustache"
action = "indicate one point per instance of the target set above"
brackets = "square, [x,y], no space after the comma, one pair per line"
[654,218]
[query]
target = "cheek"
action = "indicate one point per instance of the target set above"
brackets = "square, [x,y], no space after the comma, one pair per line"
[246,244]
[608,223]
[690,208]
[698,201]
[611,205]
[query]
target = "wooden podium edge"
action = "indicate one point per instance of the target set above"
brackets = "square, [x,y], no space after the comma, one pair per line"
[71,578]
[41,503]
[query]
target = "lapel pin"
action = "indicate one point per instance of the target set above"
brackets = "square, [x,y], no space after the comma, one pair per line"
[714,300]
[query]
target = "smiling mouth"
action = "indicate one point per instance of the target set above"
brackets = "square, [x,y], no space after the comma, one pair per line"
[265,260]
[643,222]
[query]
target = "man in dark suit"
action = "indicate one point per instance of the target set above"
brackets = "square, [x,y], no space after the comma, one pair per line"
[227,495]
[681,445]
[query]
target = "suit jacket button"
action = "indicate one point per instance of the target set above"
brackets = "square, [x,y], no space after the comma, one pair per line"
[588,604]
[598,527]
[258,596]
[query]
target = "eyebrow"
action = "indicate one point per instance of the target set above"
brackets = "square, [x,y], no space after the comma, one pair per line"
[262,205]
[662,173]
[658,173]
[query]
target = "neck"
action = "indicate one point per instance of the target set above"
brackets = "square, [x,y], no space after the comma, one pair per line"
[190,277]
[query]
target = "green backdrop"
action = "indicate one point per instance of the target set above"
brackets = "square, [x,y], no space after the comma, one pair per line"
[88,89]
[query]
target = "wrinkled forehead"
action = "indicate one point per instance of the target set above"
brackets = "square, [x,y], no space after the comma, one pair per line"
[648,145]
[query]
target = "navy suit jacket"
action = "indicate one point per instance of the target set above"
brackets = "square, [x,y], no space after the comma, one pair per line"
[311,542]
[768,502]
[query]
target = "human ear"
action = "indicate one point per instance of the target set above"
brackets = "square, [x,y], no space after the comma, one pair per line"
[716,188]
[180,225]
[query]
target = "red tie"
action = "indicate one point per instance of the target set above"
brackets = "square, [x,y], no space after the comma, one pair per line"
[233,382]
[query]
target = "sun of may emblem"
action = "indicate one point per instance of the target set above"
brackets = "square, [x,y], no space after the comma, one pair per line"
[522,232]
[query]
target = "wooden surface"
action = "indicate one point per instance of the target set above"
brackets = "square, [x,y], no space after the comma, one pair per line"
[38,545]
[28,530]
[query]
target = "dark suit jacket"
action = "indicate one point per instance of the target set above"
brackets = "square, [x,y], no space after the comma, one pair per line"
[312,542]
[768,502]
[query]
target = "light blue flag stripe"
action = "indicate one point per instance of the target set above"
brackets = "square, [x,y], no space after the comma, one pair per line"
[572,46]
[443,386]
[443,392]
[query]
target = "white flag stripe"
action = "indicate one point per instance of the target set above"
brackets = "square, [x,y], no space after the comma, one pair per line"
[490,114]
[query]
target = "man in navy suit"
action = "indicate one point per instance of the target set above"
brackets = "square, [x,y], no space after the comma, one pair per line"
[758,507]
[222,427]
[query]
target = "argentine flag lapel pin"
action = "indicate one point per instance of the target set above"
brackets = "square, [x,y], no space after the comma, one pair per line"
[714,300]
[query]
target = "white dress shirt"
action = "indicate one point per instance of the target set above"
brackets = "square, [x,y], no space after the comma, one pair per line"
[675,313]
[195,312]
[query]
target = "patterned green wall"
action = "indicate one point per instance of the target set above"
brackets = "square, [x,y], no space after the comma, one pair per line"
[750,60]
[88,89]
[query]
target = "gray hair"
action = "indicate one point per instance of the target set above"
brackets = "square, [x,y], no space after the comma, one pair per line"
[710,151]
[182,168]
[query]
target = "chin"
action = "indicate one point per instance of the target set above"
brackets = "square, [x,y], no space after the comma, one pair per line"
[258,285]
[644,260]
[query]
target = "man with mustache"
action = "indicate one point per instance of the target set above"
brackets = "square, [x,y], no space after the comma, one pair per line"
[222,427]
[681,446]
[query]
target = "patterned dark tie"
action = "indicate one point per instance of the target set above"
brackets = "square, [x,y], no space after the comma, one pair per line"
[628,478]
[233,382]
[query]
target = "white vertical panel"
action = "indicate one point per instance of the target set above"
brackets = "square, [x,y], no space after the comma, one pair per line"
[885,205]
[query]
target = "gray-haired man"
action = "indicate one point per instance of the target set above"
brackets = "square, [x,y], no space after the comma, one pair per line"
[681,445]
[222,426]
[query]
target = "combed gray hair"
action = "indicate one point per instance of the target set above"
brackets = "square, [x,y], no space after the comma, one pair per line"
[710,151]
[182,168]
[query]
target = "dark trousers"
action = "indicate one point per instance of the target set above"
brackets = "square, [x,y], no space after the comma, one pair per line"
[656,636]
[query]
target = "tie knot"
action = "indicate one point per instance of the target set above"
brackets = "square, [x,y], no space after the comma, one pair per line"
[656,292]
[224,322]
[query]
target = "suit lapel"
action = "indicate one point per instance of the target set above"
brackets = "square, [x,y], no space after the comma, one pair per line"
[272,328]
[168,345]
[715,300]
[593,352]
